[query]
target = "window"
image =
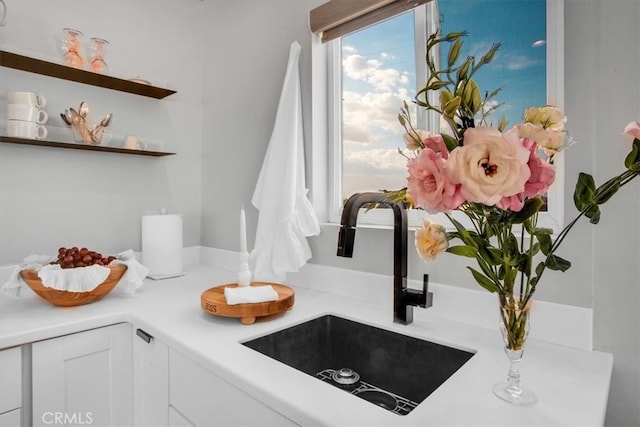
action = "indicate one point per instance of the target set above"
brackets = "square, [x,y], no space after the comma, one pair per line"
[373,70]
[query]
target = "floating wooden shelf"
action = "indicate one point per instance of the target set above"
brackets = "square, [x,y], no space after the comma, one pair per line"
[56,144]
[45,68]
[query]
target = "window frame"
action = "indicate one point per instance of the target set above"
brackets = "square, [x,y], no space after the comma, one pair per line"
[327,146]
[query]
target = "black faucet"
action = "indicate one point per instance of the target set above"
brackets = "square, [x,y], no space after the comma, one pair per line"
[404,299]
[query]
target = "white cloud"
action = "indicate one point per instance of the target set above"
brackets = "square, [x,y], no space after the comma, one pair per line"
[379,160]
[370,124]
[371,71]
[519,62]
[364,112]
[348,49]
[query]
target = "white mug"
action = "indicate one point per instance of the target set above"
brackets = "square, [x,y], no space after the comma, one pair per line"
[133,143]
[3,13]
[27,130]
[26,113]
[27,98]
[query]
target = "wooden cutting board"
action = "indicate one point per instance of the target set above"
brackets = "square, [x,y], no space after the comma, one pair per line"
[213,302]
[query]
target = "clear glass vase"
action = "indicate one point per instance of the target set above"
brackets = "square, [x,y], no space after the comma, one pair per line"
[514,326]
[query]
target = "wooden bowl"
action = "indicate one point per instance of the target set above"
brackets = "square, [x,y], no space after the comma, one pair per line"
[70,299]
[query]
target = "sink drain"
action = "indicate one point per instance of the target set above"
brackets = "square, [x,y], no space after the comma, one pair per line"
[349,380]
[345,376]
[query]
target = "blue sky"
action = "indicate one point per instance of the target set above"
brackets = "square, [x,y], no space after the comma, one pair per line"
[379,73]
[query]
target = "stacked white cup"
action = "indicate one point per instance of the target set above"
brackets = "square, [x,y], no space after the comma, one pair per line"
[25,115]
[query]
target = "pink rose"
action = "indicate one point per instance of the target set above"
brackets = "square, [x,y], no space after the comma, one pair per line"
[436,143]
[425,139]
[631,132]
[428,184]
[489,166]
[542,173]
[514,203]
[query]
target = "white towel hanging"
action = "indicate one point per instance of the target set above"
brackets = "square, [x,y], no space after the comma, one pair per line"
[286,217]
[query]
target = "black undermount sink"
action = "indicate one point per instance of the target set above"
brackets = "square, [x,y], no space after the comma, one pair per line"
[389,369]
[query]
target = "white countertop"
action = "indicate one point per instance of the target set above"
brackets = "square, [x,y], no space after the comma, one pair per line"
[571,385]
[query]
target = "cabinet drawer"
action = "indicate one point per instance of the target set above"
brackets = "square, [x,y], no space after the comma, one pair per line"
[11,374]
[207,400]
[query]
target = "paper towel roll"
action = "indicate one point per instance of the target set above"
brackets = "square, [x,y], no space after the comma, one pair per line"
[162,245]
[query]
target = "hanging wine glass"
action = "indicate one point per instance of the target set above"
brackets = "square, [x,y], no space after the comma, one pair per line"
[98,64]
[72,48]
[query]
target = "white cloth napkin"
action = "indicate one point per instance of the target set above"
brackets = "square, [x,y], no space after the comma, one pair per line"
[14,284]
[286,216]
[250,294]
[134,276]
[82,279]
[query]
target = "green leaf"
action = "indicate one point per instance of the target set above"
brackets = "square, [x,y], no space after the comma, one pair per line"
[540,268]
[542,230]
[511,245]
[585,190]
[531,207]
[463,250]
[449,141]
[607,190]
[545,243]
[525,264]
[484,281]
[554,262]
[632,161]
[491,255]
[495,216]
[529,227]
[465,236]
[487,270]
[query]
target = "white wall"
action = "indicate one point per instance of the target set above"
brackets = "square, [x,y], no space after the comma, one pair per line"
[56,197]
[603,78]
[244,72]
[233,55]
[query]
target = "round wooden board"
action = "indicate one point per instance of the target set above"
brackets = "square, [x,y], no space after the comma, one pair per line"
[213,302]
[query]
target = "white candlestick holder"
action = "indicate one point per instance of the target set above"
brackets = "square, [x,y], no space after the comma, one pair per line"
[244,273]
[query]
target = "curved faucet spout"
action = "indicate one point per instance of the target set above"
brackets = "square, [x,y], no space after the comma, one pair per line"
[347,234]
[404,299]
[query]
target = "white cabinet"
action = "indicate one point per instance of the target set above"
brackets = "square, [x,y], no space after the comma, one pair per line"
[10,386]
[200,398]
[176,419]
[150,380]
[84,378]
[11,418]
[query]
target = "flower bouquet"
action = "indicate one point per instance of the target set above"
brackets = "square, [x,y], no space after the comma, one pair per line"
[498,178]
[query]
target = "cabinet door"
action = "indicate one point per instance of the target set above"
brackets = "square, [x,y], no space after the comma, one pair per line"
[207,400]
[11,375]
[176,419]
[84,378]
[150,380]
[11,419]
